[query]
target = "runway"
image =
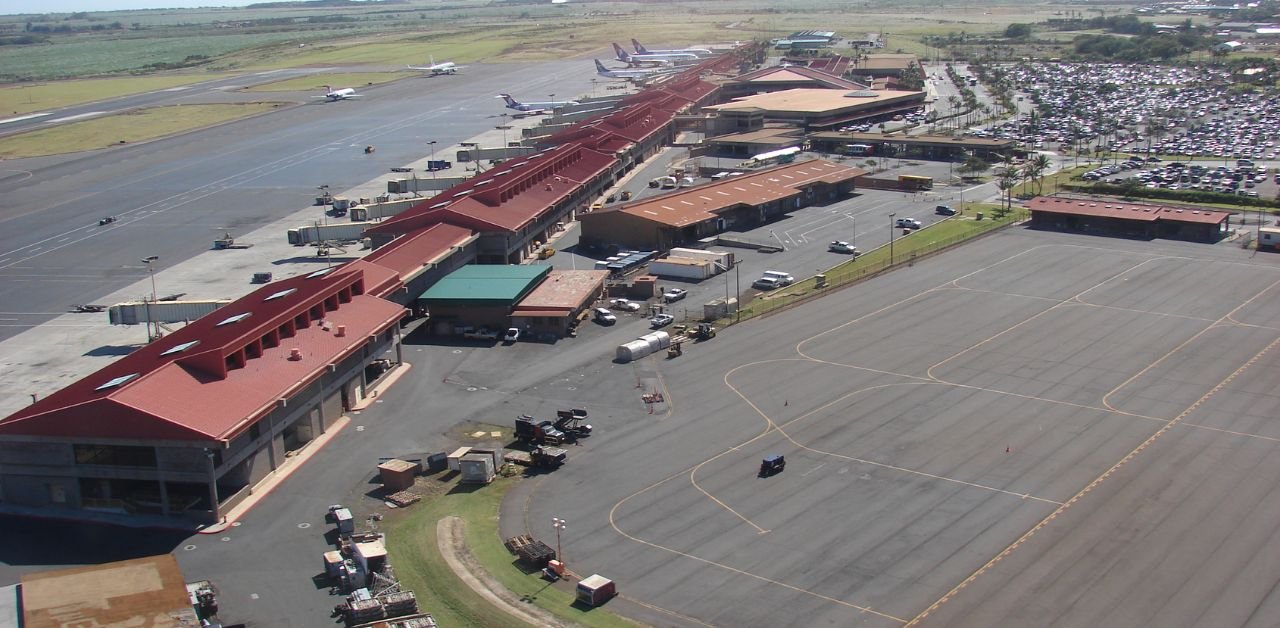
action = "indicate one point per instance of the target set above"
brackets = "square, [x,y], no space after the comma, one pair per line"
[173,196]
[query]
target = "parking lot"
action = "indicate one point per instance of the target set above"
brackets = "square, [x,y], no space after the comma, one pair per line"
[1031,426]
[863,220]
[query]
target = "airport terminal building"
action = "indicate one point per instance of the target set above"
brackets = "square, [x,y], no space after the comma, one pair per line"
[186,426]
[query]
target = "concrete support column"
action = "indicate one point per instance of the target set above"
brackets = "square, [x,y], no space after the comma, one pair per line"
[213,487]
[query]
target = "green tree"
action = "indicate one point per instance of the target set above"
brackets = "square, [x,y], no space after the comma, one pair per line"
[1017,31]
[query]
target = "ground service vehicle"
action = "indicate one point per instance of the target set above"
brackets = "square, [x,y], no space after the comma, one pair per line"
[772,464]
[704,331]
[547,457]
[531,430]
[571,423]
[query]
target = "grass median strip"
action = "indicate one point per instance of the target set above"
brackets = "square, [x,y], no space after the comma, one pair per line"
[126,128]
[413,545]
[24,98]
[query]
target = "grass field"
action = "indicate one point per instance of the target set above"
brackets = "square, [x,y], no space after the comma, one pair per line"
[412,545]
[337,81]
[142,125]
[28,97]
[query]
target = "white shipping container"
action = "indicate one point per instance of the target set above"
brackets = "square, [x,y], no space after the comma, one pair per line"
[682,268]
[456,456]
[724,258]
[660,339]
[633,350]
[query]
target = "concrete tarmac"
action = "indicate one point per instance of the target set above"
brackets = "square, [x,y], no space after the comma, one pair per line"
[172,197]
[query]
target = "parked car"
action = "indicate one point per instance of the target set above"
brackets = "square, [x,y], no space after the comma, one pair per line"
[661,320]
[624,305]
[945,210]
[674,294]
[481,334]
[841,246]
[604,316]
[908,223]
[766,283]
[512,335]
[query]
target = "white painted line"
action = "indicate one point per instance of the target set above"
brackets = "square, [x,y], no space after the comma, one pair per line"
[26,117]
[177,89]
[79,116]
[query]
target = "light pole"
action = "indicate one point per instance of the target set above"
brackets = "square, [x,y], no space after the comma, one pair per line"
[431,165]
[891,216]
[150,261]
[558,524]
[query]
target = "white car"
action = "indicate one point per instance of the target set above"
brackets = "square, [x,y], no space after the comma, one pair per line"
[512,335]
[908,223]
[842,247]
[766,283]
[674,294]
[624,305]
[604,316]
[661,320]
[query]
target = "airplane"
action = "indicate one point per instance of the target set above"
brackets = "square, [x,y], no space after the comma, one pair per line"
[534,107]
[668,58]
[633,74]
[338,94]
[436,69]
[641,50]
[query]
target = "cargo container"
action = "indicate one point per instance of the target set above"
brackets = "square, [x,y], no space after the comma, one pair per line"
[723,258]
[633,350]
[682,268]
[140,313]
[456,456]
[595,590]
[476,469]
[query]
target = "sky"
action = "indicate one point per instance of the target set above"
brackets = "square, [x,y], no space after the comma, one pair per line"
[71,6]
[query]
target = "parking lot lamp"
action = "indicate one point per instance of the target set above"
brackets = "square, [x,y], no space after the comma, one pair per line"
[558,524]
[891,229]
[430,164]
[150,261]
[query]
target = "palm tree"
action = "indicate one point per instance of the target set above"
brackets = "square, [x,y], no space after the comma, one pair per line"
[1040,164]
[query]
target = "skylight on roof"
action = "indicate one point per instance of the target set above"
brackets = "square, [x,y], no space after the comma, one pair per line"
[320,273]
[462,193]
[180,348]
[234,319]
[119,381]
[498,174]
[439,205]
[282,293]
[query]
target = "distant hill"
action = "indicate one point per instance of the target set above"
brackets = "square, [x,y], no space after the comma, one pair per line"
[322,3]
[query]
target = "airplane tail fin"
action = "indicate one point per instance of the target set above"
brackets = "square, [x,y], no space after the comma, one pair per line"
[622,54]
[640,49]
[511,102]
[600,66]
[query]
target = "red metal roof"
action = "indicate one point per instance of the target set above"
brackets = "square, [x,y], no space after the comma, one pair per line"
[1125,211]
[508,197]
[407,255]
[182,387]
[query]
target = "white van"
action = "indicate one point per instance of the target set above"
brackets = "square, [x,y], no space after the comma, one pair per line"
[782,278]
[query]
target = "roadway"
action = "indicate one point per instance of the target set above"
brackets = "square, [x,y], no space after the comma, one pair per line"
[173,196]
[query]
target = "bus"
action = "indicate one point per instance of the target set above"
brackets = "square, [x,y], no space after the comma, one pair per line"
[914,182]
[781,156]
[857,150]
